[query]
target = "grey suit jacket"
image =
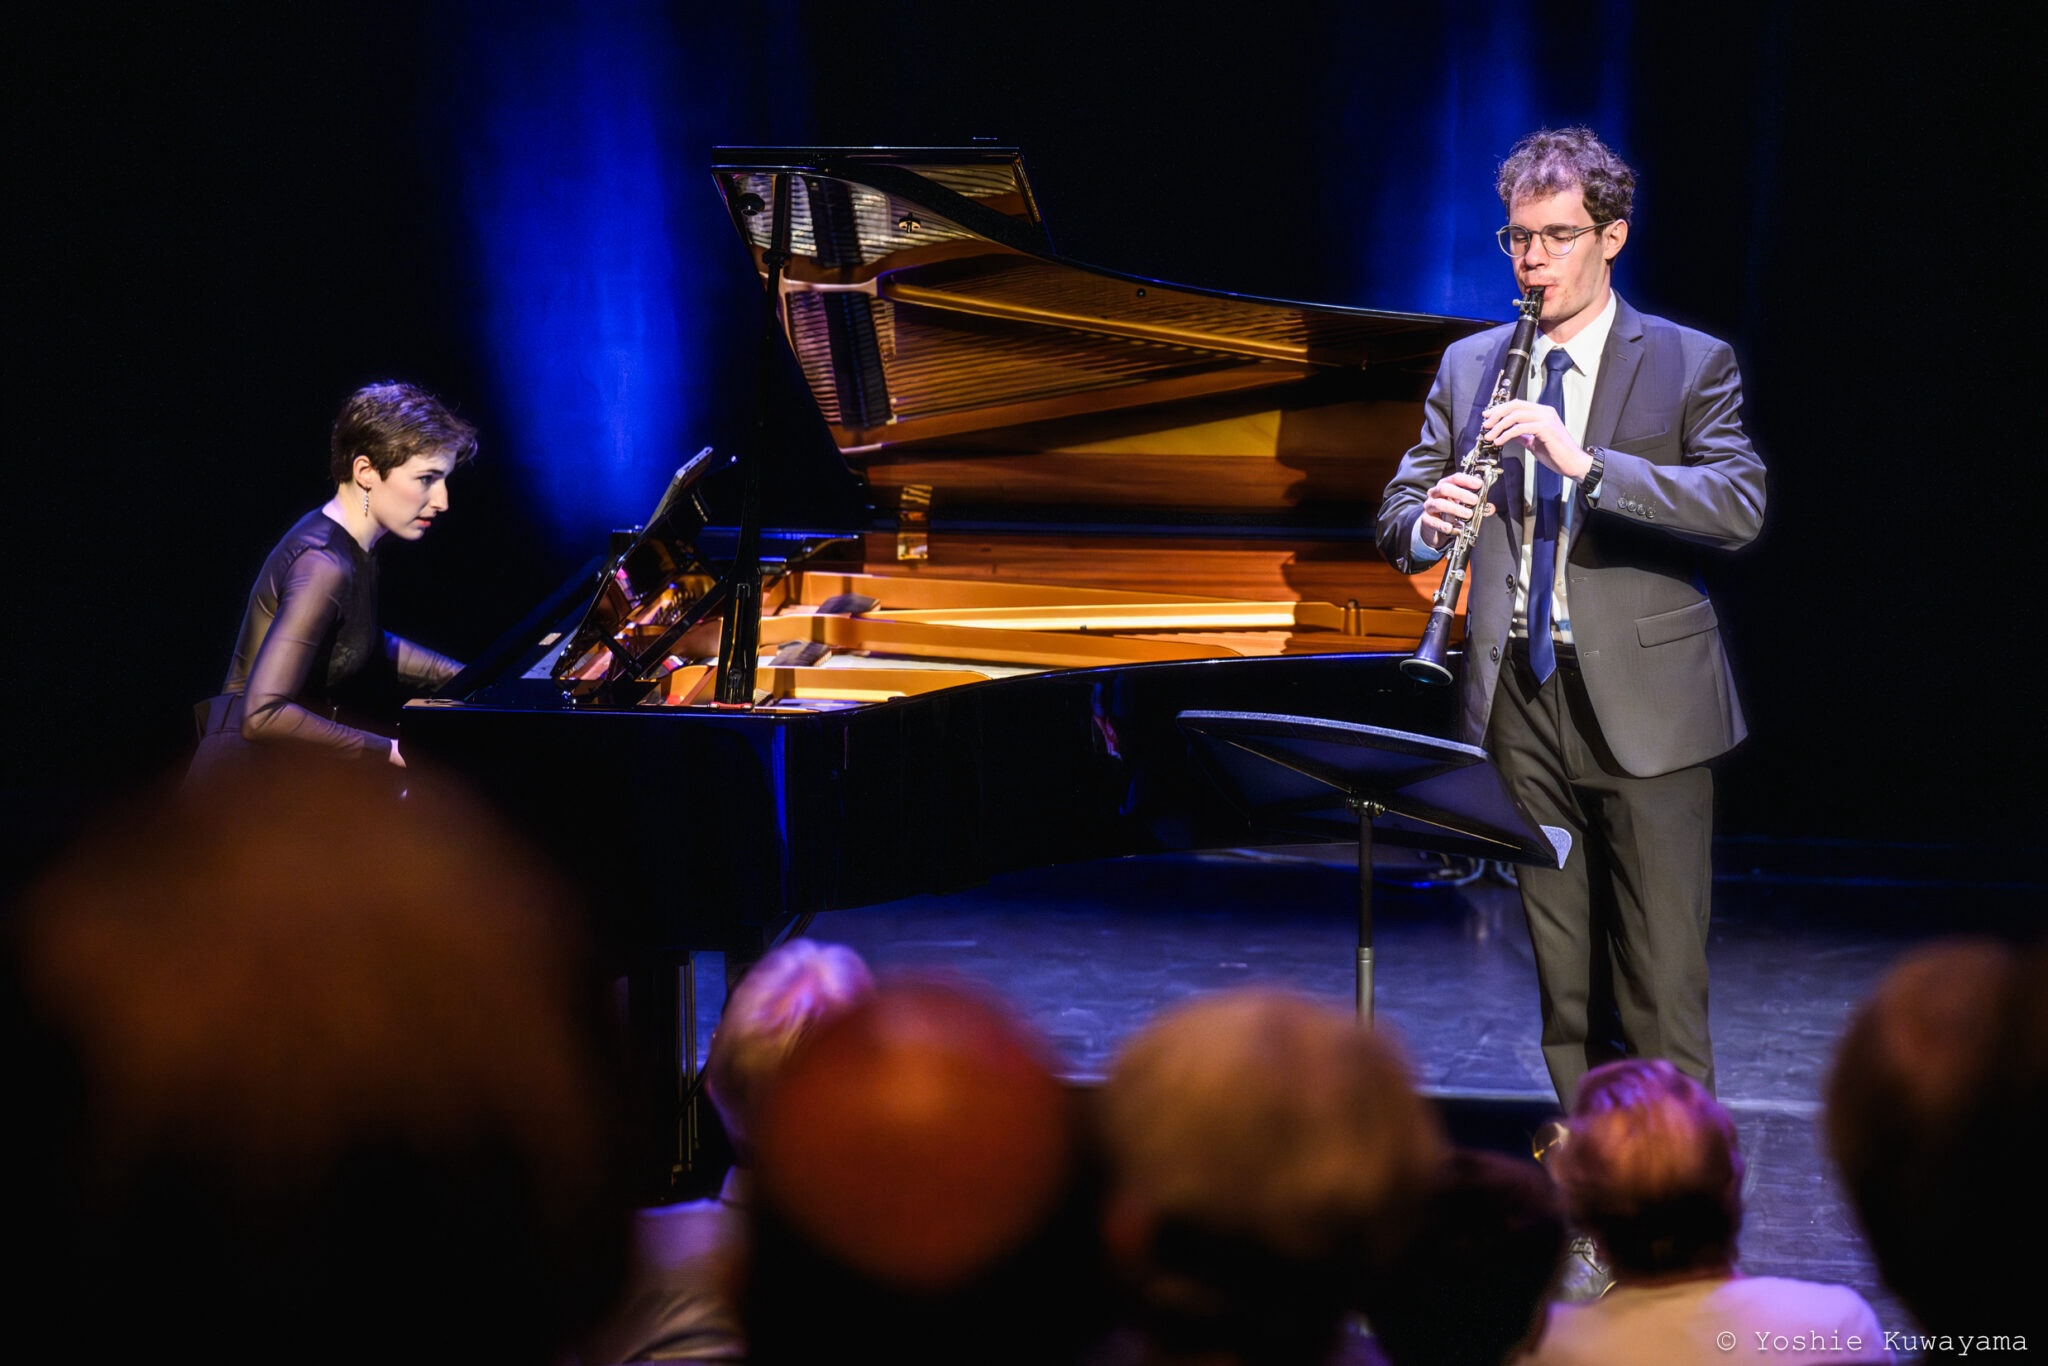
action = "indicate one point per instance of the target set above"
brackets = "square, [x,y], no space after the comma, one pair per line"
[1680,474]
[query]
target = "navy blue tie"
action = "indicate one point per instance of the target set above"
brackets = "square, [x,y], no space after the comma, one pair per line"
[1549,511]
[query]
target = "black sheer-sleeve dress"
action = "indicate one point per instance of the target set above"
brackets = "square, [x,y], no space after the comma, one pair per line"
[311,662]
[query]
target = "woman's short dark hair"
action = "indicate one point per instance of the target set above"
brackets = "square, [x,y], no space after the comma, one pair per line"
[1550,161]
[389,424]
[1652,1169]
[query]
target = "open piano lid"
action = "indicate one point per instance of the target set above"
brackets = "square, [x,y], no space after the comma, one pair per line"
[925,305]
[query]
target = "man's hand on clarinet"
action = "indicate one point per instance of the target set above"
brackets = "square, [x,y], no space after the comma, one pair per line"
[1448,507]
[1537,426]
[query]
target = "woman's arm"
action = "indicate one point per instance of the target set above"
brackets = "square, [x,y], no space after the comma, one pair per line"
[419,668]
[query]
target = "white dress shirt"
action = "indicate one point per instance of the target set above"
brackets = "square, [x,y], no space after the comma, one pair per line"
[1585,349]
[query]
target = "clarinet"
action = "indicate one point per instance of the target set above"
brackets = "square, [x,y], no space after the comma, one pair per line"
[1426,665]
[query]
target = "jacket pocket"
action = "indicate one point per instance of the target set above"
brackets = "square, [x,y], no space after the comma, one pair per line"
[1666,627]
[1641,443]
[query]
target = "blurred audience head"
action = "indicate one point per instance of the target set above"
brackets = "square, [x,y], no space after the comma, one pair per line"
[310,1073]
[782,998]
[1265,1157]
[1469,1286]
[919,1191]
[1935,1111]
[1652,1171]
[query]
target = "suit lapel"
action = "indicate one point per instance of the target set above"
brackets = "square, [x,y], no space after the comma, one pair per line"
[1619,361]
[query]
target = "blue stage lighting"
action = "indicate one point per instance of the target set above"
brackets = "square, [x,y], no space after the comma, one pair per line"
[1427,123]
[571,174]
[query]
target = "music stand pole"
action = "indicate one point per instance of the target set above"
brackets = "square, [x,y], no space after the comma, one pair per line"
[1368,811]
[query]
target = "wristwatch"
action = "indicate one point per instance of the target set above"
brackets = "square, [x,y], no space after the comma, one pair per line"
[1589,482]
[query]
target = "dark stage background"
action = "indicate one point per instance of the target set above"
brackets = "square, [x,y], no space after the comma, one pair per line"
[223,218]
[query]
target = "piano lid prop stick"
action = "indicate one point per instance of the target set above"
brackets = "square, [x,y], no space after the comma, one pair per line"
[739,645]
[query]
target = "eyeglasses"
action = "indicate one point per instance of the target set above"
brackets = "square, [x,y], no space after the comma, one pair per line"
[1558,240]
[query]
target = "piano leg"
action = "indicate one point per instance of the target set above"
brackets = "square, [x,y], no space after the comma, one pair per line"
[676,1147]
[658,1033]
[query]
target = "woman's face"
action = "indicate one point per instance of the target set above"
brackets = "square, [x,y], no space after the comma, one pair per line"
[405,502]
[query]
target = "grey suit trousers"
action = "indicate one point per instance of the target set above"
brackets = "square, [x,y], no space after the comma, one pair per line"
[1620,932]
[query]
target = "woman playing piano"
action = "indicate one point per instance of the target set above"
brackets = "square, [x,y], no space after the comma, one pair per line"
[310,646]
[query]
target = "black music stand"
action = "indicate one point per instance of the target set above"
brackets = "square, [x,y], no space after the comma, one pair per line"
[1334,779]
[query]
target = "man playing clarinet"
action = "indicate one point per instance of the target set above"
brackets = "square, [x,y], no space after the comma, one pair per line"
[1594,672]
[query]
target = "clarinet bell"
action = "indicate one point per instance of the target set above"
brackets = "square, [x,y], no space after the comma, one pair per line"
[1426,665]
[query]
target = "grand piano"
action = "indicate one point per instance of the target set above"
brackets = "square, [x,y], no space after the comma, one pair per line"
[1045,508]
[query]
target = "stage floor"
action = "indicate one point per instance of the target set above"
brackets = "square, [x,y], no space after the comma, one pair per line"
[1089,953]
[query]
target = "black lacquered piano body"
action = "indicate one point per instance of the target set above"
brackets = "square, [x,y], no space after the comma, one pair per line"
[1084,501]
[709,830]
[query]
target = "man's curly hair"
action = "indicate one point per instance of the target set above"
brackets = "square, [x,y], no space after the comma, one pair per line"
[1550,161]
